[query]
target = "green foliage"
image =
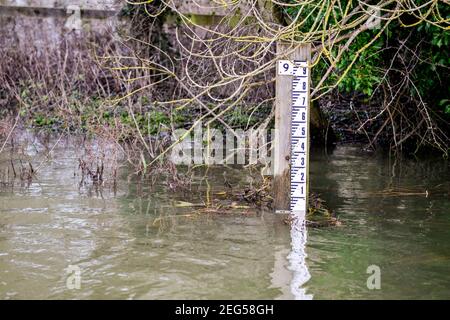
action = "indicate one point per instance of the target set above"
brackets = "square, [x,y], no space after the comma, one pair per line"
[425,40]
[366,73]
[432,75]
[238,117]
[445,104]
[246,115]
[42,120]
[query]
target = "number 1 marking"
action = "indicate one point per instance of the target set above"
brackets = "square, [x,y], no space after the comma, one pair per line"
[299,138]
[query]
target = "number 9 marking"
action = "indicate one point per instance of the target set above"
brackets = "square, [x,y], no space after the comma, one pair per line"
[285,68]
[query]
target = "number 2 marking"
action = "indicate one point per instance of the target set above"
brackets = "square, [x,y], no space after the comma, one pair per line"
[299,149]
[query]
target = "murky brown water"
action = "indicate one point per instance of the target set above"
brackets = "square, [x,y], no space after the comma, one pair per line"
[140,243]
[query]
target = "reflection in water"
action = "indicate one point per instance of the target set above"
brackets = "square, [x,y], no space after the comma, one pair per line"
[147,243]
[387,220]
[297,258]
[140,242]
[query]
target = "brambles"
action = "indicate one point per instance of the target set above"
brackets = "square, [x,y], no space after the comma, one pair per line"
[169,71]
[380,74]
[374,55]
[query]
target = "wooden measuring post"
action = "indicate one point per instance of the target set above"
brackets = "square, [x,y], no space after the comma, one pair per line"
[287,197]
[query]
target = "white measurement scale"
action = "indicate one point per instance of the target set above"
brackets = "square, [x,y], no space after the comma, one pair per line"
[299,132]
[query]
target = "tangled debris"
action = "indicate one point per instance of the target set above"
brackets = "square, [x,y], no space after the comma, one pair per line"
[318,214]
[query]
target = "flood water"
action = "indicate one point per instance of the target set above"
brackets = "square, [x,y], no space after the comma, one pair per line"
[140,242]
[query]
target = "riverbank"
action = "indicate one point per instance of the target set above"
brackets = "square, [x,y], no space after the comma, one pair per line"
[137,82]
